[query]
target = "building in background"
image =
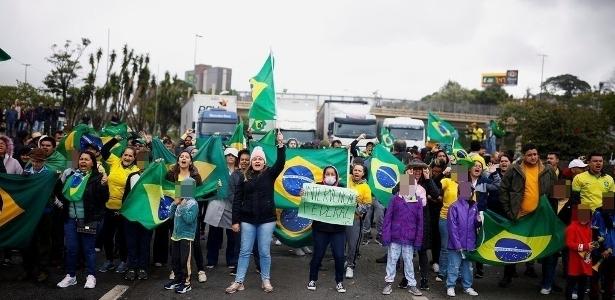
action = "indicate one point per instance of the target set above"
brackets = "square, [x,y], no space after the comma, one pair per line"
[210,80]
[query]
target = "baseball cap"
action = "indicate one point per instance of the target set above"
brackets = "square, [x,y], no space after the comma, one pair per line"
[577,163]
[231,151]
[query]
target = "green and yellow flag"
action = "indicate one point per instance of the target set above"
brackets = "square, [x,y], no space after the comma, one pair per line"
[263,111]
[210,162]
[439,130]
[237,140]
[386,138]
[72,142]
[160,151]
[149,200]
[110,131]
[384,173]
[22,201]
[501,241]
[497,128]
[4,56]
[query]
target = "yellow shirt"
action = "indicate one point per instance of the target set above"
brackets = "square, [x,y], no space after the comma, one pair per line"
[529,203]
[451,190]
[363,191]
[116,182]
[478,134]
[592,187]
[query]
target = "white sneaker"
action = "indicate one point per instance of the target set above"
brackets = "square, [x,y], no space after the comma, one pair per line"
[67,281]
[172,276]
[349,273]
[158,265]
[575,296]
[277,242]
[450,292]
[545,291]
[471,292]
[90,282]
[202,276]
[307,250]
[436,268]
[439,279]
[299,252]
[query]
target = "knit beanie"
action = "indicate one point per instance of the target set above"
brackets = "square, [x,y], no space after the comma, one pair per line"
[258,152]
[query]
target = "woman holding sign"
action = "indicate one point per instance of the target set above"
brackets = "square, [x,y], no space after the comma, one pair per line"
[324,234]
[254,213]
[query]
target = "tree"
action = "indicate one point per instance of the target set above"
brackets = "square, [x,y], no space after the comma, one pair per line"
[569,84]
[493,95]
[172,93]
[451,92]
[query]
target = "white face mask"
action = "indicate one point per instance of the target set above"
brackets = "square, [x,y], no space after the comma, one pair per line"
[330,180]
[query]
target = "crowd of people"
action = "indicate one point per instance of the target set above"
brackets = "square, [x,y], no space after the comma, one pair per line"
[437,221]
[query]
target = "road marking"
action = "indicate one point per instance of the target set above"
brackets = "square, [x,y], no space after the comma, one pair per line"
[420,298]
[115,293]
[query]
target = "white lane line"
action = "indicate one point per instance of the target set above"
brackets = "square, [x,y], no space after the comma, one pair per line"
[115,293]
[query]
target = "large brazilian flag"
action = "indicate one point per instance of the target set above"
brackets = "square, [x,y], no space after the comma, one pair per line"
[302,166]
[501,241]
[384,173]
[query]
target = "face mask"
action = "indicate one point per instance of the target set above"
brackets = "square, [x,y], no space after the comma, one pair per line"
[330,180]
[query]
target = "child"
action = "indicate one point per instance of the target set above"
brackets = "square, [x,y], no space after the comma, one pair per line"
[462,221]
[579,244]
[184,211]
[402,232]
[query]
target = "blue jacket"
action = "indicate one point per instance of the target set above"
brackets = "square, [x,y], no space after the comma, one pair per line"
[462,225]
[488,193]
[184,219]
[607,232]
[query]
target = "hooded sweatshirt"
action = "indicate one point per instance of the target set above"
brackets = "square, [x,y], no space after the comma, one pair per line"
[9,164]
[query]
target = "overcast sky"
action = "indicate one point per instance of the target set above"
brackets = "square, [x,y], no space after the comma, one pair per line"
[403,49]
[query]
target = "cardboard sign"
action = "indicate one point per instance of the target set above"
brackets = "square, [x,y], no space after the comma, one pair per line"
[328,204]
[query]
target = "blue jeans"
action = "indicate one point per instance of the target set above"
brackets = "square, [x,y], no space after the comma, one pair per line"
[455,265]
[38,126]
[406,252]
[549,264]
[443,247]
[138,239]
[73,242]
[262,233]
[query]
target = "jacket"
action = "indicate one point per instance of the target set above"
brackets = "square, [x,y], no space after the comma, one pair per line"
[462,225]
[578,237]
[488,192]
[94,198]
[219,211]
[253,201]
[403,223]
[512,187]
[184,218]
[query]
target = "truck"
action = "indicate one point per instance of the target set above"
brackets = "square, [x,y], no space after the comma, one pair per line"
[297,119]
[210,114]
[346,120]
[410,130]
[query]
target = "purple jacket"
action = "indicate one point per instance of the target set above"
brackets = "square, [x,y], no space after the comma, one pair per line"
[403,223]
[462,224]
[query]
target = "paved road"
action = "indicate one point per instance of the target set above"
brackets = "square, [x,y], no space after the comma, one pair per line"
[289,278]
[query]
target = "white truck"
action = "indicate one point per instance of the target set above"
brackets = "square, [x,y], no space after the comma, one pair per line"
[209,114]
[346,120]
[297,119]
[412,131]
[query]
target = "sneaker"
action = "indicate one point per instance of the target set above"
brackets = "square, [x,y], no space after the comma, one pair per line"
[232,267]
[171,285]
[382,260]
[97,249]
[378,241]
[311,285]
[307,250]
[439,278]
[424,285]
[349,273]
[121,268]
[202,276]
[107,266]
[299,252]
[266,286]
[388,289]
[340,288]
[277,242]
[172,276]
[67,281]
[183,288]
[234,287]
[436,268]
[142,275]
[130,275]
[365,241]
[403,284]
[90,282]
[158,265]
[471,292]
[414,291]
[545,291]
[575,296]
[479,275]
[209,267]
[450,292]
[233,272]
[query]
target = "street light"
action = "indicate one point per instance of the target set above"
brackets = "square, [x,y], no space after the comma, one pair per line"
[196,36]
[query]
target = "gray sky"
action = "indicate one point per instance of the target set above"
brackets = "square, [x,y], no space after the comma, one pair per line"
[404,49]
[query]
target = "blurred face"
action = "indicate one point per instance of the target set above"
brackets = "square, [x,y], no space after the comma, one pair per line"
[85,163]
[482,151]
[292,144]
[337,145]
[531,157]
[139,147]
[504,163]
[188,140]
[369,148]
[595,164]
[358,171]
[128,157]
[436,171]
[553,160]
[2,147]
[184,160]
[194,151]
[47,146]
[230,160]
[169,146]
[25,157]
[258,163]
[244,161]
[476,169]
[418,172]
[495,158]
[441,156]
[37,164]
[58,137]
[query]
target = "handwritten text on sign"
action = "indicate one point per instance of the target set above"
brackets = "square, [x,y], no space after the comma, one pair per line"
[328,204]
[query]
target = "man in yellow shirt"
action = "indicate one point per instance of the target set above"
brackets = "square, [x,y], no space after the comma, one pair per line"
[589,186]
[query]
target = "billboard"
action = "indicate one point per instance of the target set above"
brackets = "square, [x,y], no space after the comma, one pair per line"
[509,77]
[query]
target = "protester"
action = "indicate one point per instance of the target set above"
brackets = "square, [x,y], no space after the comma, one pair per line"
[450,189]
[578,245]
[254,213]
[324,234]
[358,183]
[83,200]
[138,239]
[8,165]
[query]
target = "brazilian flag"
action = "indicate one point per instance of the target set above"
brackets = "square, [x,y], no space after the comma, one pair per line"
[160,151]
[110,131]
[263,110]
[72,142]
[497,128]
[237,140]
[22,201]
[384,172]
[210,162]
[302,166]
[149,200]
[501,241]
[386,138]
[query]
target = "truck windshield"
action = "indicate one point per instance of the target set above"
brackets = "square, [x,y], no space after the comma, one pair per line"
[346,130]
[221,128]
[408,134]
[301,136]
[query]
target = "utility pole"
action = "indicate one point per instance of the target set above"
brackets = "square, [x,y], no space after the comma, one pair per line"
[26,72]
[542,73]
[196,36]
